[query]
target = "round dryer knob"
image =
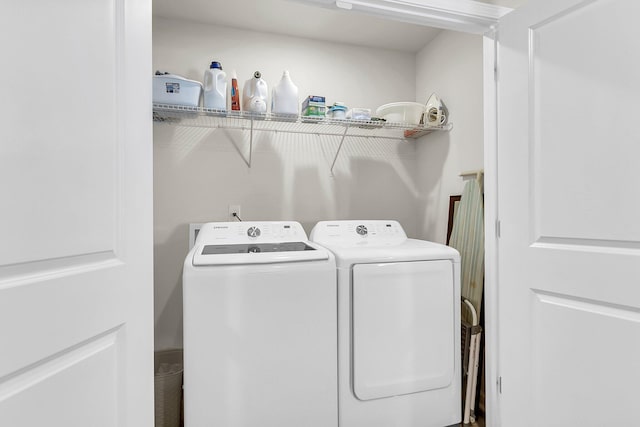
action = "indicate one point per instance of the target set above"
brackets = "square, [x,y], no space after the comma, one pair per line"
[361,230]
[253,232]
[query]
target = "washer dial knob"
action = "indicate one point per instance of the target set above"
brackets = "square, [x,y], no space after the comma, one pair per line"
[253,232]
[361,230]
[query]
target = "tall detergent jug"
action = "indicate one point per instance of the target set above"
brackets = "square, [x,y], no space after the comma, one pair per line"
[284,99]
[254,96]
[215,87]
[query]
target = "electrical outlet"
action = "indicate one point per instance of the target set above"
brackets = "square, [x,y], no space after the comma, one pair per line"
[234,209]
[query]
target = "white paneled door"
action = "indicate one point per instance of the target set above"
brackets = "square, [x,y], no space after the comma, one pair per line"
[76,339]
[569,210]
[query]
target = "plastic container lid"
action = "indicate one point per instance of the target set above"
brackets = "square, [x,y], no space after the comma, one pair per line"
[338,106]
[216,64]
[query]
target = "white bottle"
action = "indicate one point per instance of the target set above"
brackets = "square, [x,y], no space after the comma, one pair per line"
[284,99]
[255,94]
[215,87]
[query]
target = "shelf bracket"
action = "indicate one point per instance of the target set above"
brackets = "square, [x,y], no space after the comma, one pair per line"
[344,134]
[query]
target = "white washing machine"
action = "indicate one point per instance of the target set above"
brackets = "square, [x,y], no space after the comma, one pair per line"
[259,328]
[398,326]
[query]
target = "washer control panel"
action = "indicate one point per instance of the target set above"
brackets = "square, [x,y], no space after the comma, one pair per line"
[247,232]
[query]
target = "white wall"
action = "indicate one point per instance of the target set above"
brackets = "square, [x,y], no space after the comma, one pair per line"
[451,66]
[199,172]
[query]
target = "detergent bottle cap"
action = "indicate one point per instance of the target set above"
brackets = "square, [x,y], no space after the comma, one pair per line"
[216,64]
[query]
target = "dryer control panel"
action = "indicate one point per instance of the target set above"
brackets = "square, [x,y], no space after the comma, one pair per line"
[354,232]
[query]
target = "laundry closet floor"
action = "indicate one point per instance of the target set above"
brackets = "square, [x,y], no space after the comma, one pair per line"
[478,423]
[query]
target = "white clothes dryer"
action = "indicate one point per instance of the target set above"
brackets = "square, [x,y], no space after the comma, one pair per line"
[398,326]
[260,325]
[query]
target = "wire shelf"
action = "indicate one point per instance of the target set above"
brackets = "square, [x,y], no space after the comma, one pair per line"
[244,120]
[250,121]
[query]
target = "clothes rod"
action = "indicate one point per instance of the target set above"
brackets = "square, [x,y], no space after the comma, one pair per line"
[477,173]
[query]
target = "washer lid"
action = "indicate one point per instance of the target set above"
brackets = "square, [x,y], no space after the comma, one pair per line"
[257,253]
[252,248]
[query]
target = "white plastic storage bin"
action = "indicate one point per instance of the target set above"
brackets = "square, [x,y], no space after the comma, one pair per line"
[176,90]
[401,112]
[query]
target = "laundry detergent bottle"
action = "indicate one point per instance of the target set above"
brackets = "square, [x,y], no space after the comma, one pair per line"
[284,99]
[255,93]
[235,92]
[215,87]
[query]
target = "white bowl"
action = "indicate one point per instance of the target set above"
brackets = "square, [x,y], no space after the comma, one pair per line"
[401,112]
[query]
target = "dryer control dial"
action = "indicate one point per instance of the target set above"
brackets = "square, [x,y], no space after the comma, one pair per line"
[361,230]
[253,232]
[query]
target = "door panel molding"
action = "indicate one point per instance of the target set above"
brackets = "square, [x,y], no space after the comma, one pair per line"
[73,135]
[29,376]
[581,124]
[588,245]
[574,302]
[586,342]
[52,269]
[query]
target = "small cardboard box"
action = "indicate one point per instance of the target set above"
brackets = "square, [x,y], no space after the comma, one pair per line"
[313,106]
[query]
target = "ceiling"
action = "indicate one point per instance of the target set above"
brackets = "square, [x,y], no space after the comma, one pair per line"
[300,20]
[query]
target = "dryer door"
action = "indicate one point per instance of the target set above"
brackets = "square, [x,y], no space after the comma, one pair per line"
[403,327]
